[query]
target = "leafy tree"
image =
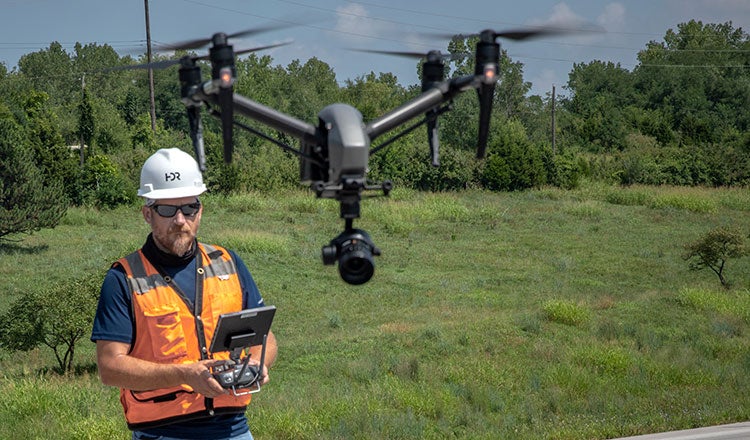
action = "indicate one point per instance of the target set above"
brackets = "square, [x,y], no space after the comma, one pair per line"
[374,95]
[141,133]
[695,76]
[86,125]
[169,108]
[309,87]
[129,107]
[51,71]
[456,171]
[57,318]
[89,60]
[27,202]
[600,94]
[49,151]
[103,184]
[112,133]
[714,249]
[511,89]
[514,163]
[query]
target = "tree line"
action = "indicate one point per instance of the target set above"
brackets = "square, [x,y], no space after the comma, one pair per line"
[74,131]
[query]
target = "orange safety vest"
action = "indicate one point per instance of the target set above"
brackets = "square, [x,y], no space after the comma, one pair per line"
[168,331]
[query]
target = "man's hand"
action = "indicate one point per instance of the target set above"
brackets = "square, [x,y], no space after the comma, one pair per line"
[198,376]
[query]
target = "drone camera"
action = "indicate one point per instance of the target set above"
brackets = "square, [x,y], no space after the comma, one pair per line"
[354,251]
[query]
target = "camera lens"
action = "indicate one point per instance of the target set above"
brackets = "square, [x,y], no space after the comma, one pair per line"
[356,265]
[354,251]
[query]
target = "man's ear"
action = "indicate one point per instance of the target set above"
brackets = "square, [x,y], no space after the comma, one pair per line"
[147,213]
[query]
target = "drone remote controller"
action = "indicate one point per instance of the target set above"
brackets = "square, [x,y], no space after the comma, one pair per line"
[236,375]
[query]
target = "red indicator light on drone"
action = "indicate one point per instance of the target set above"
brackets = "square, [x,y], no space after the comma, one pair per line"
[225,76]
[490,73]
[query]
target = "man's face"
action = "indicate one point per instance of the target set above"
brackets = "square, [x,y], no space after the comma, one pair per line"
[173,234]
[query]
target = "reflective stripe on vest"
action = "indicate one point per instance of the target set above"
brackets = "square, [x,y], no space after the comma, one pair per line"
[169,330]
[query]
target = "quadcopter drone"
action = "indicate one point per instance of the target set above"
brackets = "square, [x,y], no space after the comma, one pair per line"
[334,153]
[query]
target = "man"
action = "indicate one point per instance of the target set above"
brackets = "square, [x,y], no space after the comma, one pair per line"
[159,307]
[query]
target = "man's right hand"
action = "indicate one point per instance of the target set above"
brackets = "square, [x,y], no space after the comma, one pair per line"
[198,377]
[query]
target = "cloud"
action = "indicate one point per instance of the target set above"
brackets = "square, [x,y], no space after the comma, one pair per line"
[542,82]
[613,17]
[355,21]
[561,16]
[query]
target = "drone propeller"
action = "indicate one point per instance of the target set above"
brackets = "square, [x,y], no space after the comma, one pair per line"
[527,33]
[222,56]
[433,72]
[201,42]
[487,64]
[163,64]
[431,55]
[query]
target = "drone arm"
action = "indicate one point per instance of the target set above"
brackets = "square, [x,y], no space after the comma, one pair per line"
[268,116]
[421,104]
[280,144]
[437,112]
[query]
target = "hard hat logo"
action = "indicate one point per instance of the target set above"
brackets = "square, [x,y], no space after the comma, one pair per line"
[170,173]
[170,177]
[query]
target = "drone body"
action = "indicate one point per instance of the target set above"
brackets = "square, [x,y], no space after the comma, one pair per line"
[348,144]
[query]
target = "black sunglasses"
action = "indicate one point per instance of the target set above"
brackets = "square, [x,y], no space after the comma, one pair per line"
[188,210]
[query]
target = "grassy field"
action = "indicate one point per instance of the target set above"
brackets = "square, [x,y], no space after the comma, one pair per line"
[546,314]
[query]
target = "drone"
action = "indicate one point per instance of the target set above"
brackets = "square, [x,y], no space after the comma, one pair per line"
[334,154]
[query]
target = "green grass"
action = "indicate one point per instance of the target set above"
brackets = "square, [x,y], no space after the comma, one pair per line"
[547,314]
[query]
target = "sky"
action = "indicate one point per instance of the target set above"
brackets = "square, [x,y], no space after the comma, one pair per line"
[329,29]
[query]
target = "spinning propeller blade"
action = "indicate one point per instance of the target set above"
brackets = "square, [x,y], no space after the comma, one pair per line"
[527,33]
[200,42]
[417,55]
[393,52]
[163,64]
[256,49]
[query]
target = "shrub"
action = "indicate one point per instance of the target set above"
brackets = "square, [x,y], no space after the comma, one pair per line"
[515,167]
[714,249]
[564,170]
[566,312]
[57,318]
[101,183]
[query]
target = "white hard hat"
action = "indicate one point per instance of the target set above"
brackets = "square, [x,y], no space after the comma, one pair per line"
[170,173]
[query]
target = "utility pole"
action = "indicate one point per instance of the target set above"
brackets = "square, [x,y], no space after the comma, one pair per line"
[83,91]
[554,131]
[150,70]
